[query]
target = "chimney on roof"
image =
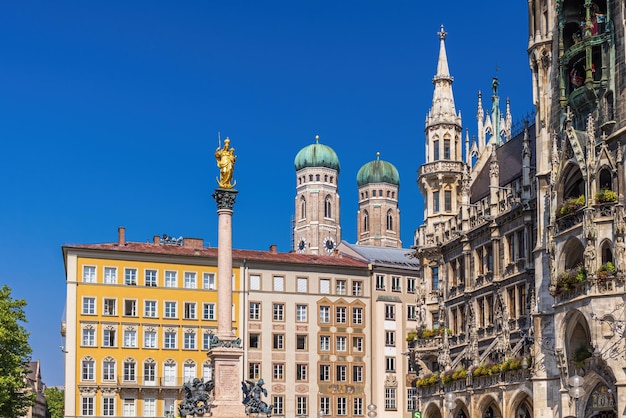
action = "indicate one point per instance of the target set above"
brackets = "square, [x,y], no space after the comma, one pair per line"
[273,249]
[193,242]
[121,236]
[156,240]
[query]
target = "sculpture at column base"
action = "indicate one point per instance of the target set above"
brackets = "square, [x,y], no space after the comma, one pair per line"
[227,401]
[197,401]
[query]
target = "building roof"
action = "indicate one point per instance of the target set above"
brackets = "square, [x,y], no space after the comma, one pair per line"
[385,256]
[317,155]
[378,171]
[141,248]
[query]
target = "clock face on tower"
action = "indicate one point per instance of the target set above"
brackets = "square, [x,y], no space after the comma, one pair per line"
[329,244]
[301,245]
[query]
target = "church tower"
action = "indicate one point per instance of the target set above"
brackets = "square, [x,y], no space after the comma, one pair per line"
[378,218]
[317,227]
[441,176]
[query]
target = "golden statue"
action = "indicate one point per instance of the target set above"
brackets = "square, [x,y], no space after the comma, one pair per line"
[226,162]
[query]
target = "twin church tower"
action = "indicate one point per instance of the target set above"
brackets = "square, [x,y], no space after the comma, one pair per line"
[317,227]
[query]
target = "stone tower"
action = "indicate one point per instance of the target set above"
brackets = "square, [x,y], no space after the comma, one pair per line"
[317,227]
[441,176]
[378,218]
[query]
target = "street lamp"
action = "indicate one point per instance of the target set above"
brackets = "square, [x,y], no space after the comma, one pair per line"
[450,402]
[371,408]
[321,413]
[576,390]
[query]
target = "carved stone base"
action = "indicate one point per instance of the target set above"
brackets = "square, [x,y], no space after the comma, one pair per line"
[227,378]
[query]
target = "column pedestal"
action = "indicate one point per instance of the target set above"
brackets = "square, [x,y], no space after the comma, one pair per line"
[227,378]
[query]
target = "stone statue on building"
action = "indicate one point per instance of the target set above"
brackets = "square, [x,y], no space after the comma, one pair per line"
[226,162]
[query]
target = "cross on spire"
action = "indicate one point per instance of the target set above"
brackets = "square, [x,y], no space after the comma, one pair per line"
[442,33]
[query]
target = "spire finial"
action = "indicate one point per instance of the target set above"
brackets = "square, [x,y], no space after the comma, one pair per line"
[442,33]
[317,138]
[378,156]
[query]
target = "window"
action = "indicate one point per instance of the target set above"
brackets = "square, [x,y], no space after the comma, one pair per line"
[89,306]
[129,371]
[86,406]
[324,372]
[390,399]
[189,341]
[130,307]
[342,406]
[390,338]
[149,339]
[170,309]
[390,312]
[109,307]
[411,313]
[446,149]
[357,344]
[110,275]
[302,405]
[89,274]
[278,341]
[254,340]
[206,341]
[190,280]
[301,340]
[435,150]
[380,282]
[389,220]
[255,282]
[390,364]
[396,284]
[151,278]
[279,284]
[278,371]
[169,374]
[366,221]
[279,405]
[341,314]
[278,312]
[436,201]
[255,310]
[89,337]
[88,369]
[208,311]
[302,285]
[342,373]
[189,372]
[341,343]
[170,279]
[108,406]
[325,405]
[130,339]
[170,340]
[108,339]
[447,200]
[357,316]
[301,313]
[341,287]
[357,406]
[357,374]
[150,308]
[129,408]
[325,286]
[149,407]
[435,278]
[325,314]
[410,284]
[357,288]
[149,373]
[208,281]
[108,370]
[411,399]
[328,207]
[302,207]
[324,343]
[130,277]
[254,370]
[190,310]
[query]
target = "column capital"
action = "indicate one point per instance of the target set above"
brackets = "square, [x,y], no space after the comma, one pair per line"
[225,198]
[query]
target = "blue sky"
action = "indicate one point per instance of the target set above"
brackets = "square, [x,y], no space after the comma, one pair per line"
[110,111]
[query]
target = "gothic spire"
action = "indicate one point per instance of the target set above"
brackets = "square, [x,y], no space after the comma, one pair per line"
[442,109]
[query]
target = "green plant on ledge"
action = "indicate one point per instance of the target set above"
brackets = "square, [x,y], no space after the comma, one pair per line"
[580,355]
[570,278]
[452,375]
[411,336]
[606,271]
[428,380]
[570,206]
[427,334]
[606,196]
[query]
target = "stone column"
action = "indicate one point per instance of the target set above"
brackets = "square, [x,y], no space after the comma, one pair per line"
[225,349]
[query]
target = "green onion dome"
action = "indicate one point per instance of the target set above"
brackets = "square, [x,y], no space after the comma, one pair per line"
[317,155]
[378,171]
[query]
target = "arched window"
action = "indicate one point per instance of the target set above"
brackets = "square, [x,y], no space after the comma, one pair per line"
[326,178]
[607,253]
[302,207]
[327,208]
[366,221]
[606,182]
[389,220]
[317,177]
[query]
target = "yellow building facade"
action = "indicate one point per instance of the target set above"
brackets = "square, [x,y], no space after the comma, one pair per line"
[139,320]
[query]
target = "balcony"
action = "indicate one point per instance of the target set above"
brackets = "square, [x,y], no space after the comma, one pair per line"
[446,166]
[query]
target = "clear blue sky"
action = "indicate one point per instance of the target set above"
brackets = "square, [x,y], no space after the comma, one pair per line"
[109,114]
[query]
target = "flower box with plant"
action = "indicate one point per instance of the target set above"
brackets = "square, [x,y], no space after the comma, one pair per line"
[580,355]
[427,334]
[452,375]
[606,271]
[570,278]
[570,206]
[428,380]
[606,196]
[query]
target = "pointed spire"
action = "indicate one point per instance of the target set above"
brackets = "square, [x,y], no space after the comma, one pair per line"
[442,109]
[442,63]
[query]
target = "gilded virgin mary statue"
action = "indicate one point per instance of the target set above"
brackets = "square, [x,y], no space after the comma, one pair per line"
[226,162]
